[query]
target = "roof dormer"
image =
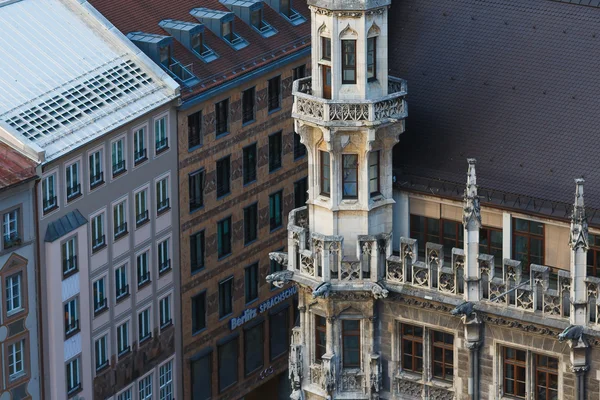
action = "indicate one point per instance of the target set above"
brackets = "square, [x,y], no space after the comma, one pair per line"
[191,36]
[221,24]
[284,7]
[251,12]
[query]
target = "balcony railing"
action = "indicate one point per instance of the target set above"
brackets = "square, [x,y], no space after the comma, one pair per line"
[349,112]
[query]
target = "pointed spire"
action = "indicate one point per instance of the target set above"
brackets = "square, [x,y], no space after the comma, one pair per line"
[579,224]
[472,209]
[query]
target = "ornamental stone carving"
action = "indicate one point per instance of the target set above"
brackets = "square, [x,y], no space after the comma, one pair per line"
[280,278]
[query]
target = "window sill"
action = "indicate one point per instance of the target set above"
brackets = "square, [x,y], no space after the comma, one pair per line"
[161,150]
[198,332]
[120,235]
[167,325]
[117,174]
[441,383]
[74,391]
[139,224]
[102,368]
[250,182]
[223,195]
[164,271]
[274,169]
[139,161]
[143,284]
[193,210]
[252,301]
[13,314]
[98,248]
[70,273]
[145,339]
[124,353]
[194,148]
[12,245]
[50,209]
[224,256]
[250,242]
[220,135]
[299,157]
[72,333]
[276,228]
[100,311]
[244,124]
[96,185]
[122,297]
[226,316]
[74,197]
[163,211]
[273,111]
[13,379]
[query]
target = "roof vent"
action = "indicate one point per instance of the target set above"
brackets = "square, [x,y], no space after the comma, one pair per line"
[221,24]
[251,12]
[284,7]
[190,35]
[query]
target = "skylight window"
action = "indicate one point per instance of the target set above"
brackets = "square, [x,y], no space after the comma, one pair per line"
[180,71]
[258,23]
[231,37]
[190,35]
[201,48]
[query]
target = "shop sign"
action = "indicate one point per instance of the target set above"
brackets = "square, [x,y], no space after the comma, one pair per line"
[251,313]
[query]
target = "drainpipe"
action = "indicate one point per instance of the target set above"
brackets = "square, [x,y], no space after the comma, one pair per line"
[38,277]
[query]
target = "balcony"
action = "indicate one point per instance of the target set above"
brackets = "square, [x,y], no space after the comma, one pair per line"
[313,109]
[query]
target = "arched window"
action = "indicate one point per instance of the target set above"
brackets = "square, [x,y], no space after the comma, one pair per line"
[348,38]
[372,52]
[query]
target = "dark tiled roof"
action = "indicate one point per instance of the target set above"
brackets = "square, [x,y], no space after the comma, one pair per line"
[65,224]
[512,83]
[14,167]
[145,15]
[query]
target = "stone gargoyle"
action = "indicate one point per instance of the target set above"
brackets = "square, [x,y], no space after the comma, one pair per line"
[322,290]
[465,310]
[573,333]
[280,278]
[379,291]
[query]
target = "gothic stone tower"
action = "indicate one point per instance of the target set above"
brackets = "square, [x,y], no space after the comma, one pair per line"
[349,115]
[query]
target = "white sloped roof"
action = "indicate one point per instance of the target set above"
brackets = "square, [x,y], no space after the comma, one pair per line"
[67,76]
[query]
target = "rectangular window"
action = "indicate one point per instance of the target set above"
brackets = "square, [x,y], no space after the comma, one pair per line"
[164,259]
[72,181]
[325,48]
[228,364]
[140,153]
[411,348]
[197,251]
[299,72]
[250,223]
[593,256]
[121,285]
[98,236]
[126,395]
[69,256]
[145,388]
[251,282]
[14,302]
[348,61]
[223,176]
[325,174]
[101,351]
[351,343]
[374,188]
[49,202]
[100,302]
[276,210]
[198,312]
[141,207]
[164,308]
[249,163]
[528,243]
[350,176]
[490,242]
[120,220]
[195,129]
[300,192]
[446,232]
[248,97]
[202,377]
[224,237]
[253,348]
[144,331]
[73,379]
[196,188]
[442,355]
[227,31]
[16,359]
[515,372]
[123,338]
[274,93]
[546,377]
[372,58]
[226,297]
[275,147]
[256,19]
[162,195]
[10,229]
[165,381]
[143,270]
[279,334]
[96,170]
[118,157]
[71,317]
[320,337]
[222,117]
[299,148]
[161,138]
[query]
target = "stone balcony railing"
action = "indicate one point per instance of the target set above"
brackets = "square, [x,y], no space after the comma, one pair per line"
[389,108]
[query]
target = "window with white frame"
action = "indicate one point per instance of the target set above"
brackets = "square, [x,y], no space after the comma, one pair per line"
[98,237]
[121,285]
[120,219]
[165,373]
[140,153]
[100,302]
[144,331]
[118,157]
[165,311]
[164,261]
[162,195]
[71,316]
[123,338]
[160,135]
[145,388]
[143,271]
[72,181]
[69,256]
[49,202]
[73,379]
[14,302]
[96,170]
[141,207]
[16,363]
[124,395]
[524,372]
[10,228]
[101,350]
[414,339]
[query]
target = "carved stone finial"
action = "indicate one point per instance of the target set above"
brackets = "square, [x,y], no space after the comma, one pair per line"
[579,226]
[471,208]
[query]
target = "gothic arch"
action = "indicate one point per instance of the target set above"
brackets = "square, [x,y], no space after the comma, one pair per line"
[324,31]
[348,33]
[374,30]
